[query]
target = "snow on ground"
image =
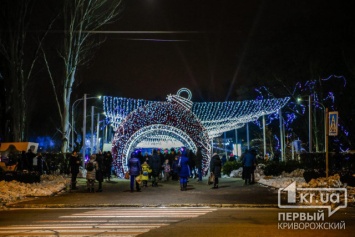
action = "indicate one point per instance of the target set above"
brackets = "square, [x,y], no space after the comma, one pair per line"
[13,191]
[285,179]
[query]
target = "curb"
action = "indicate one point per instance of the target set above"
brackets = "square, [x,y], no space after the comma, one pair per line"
[36,206]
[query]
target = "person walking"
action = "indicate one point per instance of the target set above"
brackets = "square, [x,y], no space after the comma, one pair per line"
[155,165]
[74,164]
[108,165]
[248,162]
[166,170]
[184,169]
[134,169]
[215,169]
[91,168]
[198,163]
[175,169]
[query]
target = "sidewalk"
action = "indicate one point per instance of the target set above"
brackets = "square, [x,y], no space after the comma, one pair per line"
[231,193]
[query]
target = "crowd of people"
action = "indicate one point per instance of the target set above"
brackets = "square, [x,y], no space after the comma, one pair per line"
[159,166]
[176,165]
[28,161]
[99,168]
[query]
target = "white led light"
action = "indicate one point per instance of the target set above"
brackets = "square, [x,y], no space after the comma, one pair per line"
[178,119]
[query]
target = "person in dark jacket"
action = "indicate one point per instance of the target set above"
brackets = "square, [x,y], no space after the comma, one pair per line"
[108,165]
[198,163]
[248,162]
[134,166]
[40,163]
[175,168]
[155,165]
[30,156]
[215,168]
[74,163]
[171,156]
[184,169]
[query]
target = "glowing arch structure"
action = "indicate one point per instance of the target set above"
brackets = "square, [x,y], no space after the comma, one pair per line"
[171,118]
[178,119]
[216,117]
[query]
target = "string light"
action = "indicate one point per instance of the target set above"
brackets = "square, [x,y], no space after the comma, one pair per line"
[178,119]
[293,110]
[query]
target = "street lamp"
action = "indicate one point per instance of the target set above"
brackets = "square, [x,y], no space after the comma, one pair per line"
[84,120]
[310,121]
[92,130]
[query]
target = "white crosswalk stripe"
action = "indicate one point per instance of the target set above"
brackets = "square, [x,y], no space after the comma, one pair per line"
[105,222]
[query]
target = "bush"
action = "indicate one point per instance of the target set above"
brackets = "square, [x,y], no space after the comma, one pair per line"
[273,168]
[276,168]
[308,175]
[23,177]
[229,166]
[291,165]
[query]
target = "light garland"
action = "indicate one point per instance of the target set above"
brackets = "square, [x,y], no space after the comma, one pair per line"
[178,119]
[294,109]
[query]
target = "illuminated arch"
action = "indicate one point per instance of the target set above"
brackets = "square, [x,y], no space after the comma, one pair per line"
[156,129]
[171,118]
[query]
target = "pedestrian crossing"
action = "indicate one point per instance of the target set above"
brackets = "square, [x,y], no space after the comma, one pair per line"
[105,222]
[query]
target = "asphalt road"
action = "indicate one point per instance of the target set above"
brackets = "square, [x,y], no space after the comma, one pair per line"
[231,193]
[232,210]
[158,222]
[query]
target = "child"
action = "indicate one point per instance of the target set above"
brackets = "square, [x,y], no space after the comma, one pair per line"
[91,168]
[145,173]
[166,167]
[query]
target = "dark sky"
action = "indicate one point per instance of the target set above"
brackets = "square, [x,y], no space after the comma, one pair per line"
[219,49]
[216,47]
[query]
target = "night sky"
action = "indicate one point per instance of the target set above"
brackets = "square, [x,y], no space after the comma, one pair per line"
[220,50]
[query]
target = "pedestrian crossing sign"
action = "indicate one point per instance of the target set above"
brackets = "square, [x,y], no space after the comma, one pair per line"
[333,123]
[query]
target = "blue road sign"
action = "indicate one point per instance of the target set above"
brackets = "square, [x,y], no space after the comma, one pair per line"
[333,123]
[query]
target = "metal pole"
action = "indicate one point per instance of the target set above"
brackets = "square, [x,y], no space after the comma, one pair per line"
[281,135]
[92,130]
[326,142]
[284,141]
[264,136]
[72,128]
[236,136]
[310,122]
[105,141]
[211,147]
[224,143]
[325,128]
[84,130]
[248,136]
[97,134]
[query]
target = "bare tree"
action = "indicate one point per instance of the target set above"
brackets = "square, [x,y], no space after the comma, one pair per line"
[81,19]
[20,56]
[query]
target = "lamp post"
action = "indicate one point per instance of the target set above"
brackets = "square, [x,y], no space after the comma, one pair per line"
[84,120]
[84,131]
[92,146]
[310,121]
